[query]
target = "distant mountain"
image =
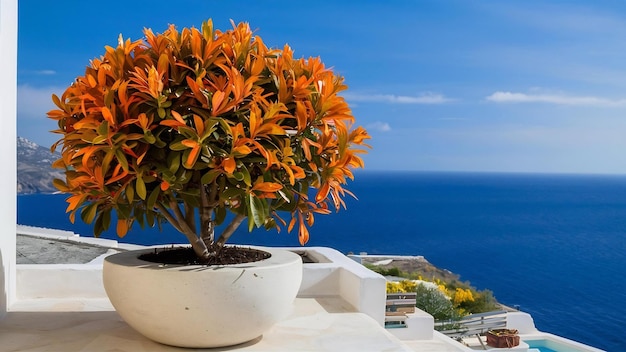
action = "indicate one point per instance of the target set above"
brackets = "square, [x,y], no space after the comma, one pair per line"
[34,168]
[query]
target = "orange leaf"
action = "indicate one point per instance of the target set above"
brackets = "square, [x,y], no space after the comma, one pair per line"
[106,113]
[254,122]
[267,187]
[193,156]
[73,202]
[229,165]
[171,123]
[218,97]
[291,224]
[303,232]
[298,171]
[116,176]
[271,128]
[196,91]
[143,120]
[189,143]
[199,124]
[140,157]
[177,116]
[322,193]
[122,227]
[121,93]
[242,149]
[92,81]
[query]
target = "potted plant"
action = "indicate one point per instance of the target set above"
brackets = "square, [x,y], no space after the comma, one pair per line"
[201,128]
[502,338]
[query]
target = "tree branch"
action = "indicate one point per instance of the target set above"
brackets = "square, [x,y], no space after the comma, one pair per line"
[178,221]
[180,217]
[190,218]
[166,214]
[230,229]
[207,227]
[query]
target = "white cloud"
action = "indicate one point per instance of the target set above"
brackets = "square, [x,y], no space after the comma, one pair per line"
[566,18]
[425,98]
[379,126]
[34,103]
[558,99]
[40,72]
[46,72]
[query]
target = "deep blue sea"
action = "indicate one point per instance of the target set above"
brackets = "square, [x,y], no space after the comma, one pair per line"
[553,244]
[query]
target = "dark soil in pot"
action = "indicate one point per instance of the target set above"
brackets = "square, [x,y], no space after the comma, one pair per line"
[186,256]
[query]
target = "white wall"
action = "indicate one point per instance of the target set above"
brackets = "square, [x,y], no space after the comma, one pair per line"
[8,97]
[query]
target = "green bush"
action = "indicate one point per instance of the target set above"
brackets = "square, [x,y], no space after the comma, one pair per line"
[386,272]
[484,301]
[434,302]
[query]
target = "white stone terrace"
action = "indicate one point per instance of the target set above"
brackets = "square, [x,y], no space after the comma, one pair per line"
[340,307]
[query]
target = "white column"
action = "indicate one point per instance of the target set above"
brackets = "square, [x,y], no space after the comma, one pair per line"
[8,164]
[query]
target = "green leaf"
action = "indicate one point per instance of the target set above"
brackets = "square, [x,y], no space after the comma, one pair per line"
[210,126]
[103,129]
[108,98]
[183,176]
[121,158]
[159,142]
[152,199]
[150,218]
[173,162]
[250,215]
[106,218]
[141,188]
[210,176]
[123,211]
[60,185]
[232,193]
[138,215]
[178,146]
[257,209]
[220,215]
[246,175]
[97,227]
[130,193]
[106,161]
[238,176]
[161,112]
[149,137]
[207,30]
[270,223]
[88,213]
[99,139]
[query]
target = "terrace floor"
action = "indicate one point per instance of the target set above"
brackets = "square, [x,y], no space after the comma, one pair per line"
[62,321]
[316,324]
[326,323]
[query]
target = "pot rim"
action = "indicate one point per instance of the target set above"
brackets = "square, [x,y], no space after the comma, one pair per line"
[278,257]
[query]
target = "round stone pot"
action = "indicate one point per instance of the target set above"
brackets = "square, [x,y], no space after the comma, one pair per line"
[202,306]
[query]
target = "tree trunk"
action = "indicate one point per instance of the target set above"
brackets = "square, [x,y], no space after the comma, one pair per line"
[207,225]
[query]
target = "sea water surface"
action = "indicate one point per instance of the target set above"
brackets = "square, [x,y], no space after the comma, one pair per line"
[553,244]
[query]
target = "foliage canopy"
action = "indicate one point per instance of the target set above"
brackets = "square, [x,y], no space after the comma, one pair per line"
[199,123]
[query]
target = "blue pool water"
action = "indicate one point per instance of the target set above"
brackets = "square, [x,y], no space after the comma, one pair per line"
[545,349]
[550,346]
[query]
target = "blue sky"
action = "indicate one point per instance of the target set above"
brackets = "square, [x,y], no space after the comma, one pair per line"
[513,86]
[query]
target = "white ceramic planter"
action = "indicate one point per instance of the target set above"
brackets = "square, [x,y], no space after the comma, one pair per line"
[199,306]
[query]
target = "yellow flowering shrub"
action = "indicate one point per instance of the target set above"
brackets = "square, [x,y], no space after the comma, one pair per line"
[462,295]
[394,287]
